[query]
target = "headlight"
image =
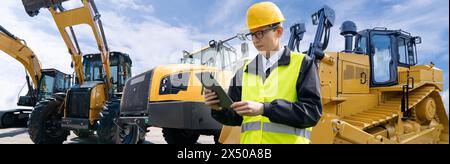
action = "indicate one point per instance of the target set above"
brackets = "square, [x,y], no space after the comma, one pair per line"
[174,83]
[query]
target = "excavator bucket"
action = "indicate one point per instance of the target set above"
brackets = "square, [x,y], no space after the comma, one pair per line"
[32,7]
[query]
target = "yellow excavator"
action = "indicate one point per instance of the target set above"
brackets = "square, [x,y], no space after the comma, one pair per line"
[42,84]
[373,92]
[91,103]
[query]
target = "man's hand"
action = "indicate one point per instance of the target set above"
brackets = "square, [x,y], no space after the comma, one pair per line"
[211,100]
[248,108]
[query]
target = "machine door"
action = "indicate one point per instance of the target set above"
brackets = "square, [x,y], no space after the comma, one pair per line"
[383,60]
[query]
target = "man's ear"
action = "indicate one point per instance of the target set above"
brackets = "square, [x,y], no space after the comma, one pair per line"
[280,31]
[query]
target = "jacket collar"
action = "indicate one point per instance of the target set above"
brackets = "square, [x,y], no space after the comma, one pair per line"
[255,66]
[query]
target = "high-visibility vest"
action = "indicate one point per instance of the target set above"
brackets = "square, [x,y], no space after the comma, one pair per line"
[280,84]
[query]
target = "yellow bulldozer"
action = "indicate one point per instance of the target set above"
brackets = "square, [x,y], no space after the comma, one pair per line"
[42,84]
[92,104]
[374,91]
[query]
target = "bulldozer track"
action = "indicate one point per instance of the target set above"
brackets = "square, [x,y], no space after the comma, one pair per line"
[387,110]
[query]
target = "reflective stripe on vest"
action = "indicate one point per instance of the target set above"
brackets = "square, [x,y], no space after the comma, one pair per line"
[276,128]
[281,84]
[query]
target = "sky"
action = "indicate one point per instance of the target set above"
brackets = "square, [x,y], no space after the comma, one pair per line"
[155,32]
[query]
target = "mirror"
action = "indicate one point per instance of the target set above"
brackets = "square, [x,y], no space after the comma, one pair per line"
[186,54]
[212,43]
[241,37]
[315,19]
[417,40]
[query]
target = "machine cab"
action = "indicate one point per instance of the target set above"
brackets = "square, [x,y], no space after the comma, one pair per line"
[53,81]
[120,64]
[220,55]
[387,50]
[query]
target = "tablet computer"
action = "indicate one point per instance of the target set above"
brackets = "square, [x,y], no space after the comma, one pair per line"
[208,82]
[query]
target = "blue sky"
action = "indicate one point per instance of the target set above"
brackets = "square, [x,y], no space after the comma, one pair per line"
[155,32]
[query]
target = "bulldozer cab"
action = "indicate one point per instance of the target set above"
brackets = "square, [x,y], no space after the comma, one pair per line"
[388,50]
[120,64]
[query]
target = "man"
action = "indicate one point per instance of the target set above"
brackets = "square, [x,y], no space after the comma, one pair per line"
[277,94]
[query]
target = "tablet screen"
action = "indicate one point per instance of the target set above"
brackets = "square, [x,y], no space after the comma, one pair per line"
[208,82]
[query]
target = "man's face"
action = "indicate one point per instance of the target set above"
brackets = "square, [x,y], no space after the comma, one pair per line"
[270,39]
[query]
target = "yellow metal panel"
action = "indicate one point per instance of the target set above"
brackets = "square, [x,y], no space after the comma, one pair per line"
[438,75]
[355,58]
[328,79]
[97,102]
[356,103]
[421,73]
[354,73]
[355,78]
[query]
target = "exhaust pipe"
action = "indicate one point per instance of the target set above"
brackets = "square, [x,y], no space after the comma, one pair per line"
[348,30]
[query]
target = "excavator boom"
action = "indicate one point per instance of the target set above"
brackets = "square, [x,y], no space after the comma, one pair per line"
[65,20]
[18,49]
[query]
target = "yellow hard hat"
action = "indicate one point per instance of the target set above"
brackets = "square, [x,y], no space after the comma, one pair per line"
[263,14]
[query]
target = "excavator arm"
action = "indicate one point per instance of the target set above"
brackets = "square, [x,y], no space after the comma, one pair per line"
[18,49]
[65,20]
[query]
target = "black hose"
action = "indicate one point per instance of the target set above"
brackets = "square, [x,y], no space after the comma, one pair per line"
[7,32]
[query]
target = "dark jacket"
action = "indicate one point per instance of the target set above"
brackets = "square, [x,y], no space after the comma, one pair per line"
[304,113]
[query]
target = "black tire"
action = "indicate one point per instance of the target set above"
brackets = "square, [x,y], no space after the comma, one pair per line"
[128,135]
[44,125]
[83,133]
[180,136]
[6,120]
[10,120]
[107,130]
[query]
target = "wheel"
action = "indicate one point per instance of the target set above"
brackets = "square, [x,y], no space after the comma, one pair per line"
[128,135]
[107,124]
[6,120]
[9,120]
[426,111]
[44,124]
[83,133]
[180,136]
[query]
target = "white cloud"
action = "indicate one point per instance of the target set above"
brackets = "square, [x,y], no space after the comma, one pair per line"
[132,4]
[222,10]
[149,42]
[11,81]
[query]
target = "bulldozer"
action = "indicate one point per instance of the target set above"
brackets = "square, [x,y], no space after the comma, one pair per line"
[42,84]
[170,96]
[373,92]
[88,105]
